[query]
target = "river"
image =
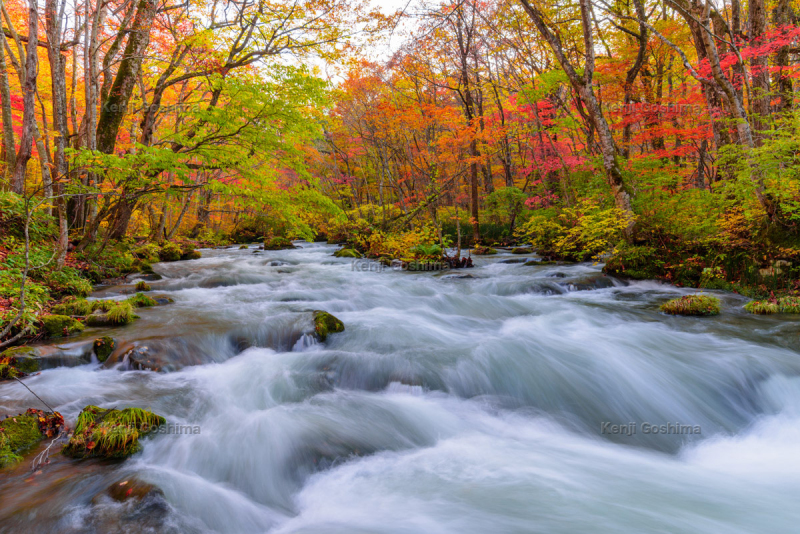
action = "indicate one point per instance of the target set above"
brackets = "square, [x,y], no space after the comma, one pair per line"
[473,401]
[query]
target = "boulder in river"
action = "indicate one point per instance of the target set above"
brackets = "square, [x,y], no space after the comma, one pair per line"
[347,253]
[483,251]
[278,243]
[61,325]
[521,250]
[141,285]
[20,433]
[325,323]
[27,360]
[110,433]
[103,347]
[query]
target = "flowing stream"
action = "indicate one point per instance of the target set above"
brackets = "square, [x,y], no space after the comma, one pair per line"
[471,401]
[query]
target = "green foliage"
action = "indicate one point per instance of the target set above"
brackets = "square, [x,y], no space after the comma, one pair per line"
[121,312]
[504,204]
[278,243]
[692,305]
[429,251]
[17,435]
[761,307]
[36,298]
[12,219]
[576,233]
[147,253]
[67,281]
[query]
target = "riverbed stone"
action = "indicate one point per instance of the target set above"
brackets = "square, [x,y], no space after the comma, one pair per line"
[61,325]
[278,243]
[347,253]
[325,324]
[103,347]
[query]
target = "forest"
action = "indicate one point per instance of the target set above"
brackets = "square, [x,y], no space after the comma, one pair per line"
[661,138]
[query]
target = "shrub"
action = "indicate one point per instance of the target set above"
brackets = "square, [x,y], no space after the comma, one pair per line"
[67,281]
[692,305]
[761,307]
[577,233]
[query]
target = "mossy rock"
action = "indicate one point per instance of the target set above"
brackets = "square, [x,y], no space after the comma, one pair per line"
[347,253]
[103,347]
[278,243]
[162,300]
[697,305]
[112,313]
[146,268]
[111,433]
[141,285]
[140,300]
[18,362]
[21,433]
[192,255]
[170,252]
[243,247]
[484,251]
[325,324]
[521,250]
[61,325]
[74,307]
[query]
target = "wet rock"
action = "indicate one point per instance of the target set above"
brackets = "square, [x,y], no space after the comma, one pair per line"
[143,358]
[243,247]
[483,251]
[128,490]
[325,324]
[589,283]
[103,347]
[347,253]
[61,325]
[162,300]
[514,260]
[111,433]
[278,243]
[521,250]
[557,275]
[41,357]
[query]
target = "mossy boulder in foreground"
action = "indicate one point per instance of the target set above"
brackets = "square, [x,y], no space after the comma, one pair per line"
[692,305]
[61,325]
[325,323]
[103,347]
[20,433]
[111,433]
[347,253]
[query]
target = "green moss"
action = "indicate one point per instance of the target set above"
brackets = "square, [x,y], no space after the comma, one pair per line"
[483,251]
[148,253]
[347,253]
[61,325]
[278,243]
[141,285]
[692,305]
[140,300]
[103,347]
[117,312]
[110,433]
[170,252]
[73,306]
[325,323]
[520,250]
[17,434]
[146,268]
[17,362]
[243,247]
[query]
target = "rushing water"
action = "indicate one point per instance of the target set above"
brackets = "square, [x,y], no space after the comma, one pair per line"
[450,404]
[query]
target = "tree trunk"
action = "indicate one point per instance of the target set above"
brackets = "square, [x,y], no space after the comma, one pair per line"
[28,100]
[9,147]
[759,70]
